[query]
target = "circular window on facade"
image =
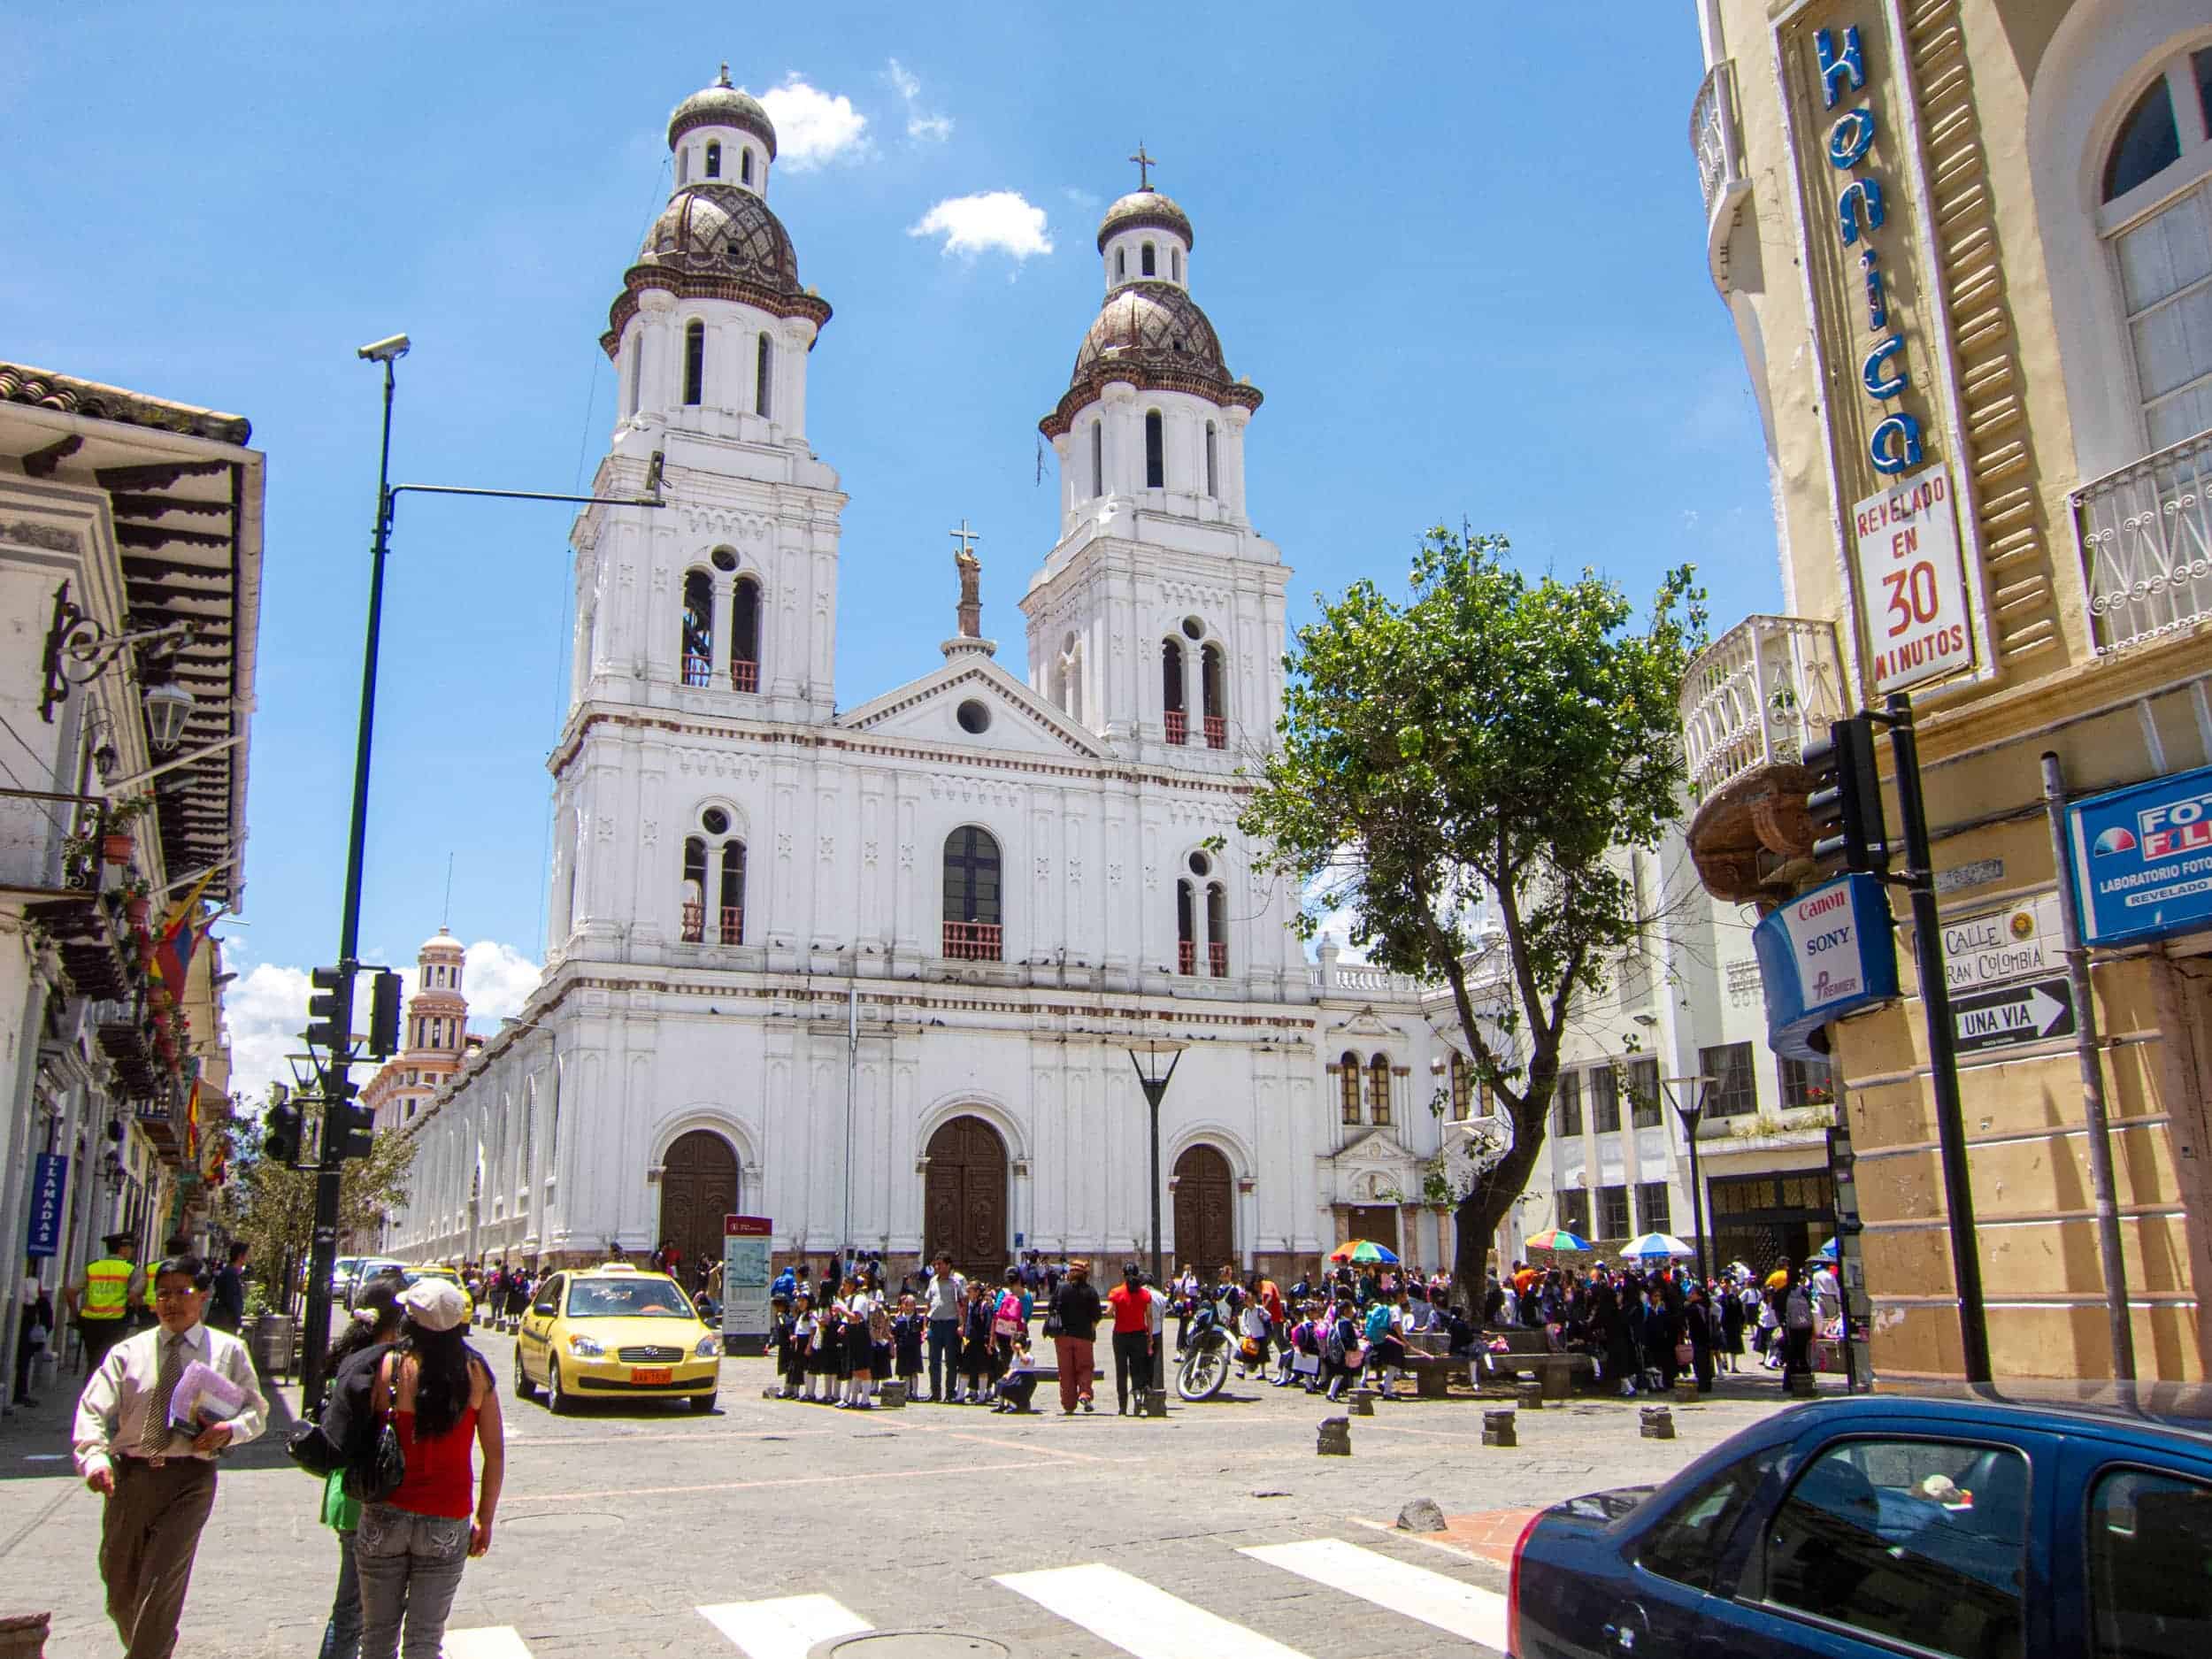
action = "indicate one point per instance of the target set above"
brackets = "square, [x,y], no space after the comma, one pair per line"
[973,717]
[715,821]
[1193,628]
[724,559]
[1199,864]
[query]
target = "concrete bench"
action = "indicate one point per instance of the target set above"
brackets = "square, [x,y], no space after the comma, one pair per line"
[1431,1373]
[1554,1373]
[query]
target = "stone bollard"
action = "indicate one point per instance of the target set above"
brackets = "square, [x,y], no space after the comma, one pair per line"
[893,1395]
[1529,1395]
[1497,1429]
[1802,1386]
[1363,1402]
[1685,1391]
[1658,1424]
[1421,1516]
[1154,1404]
[1335,1438]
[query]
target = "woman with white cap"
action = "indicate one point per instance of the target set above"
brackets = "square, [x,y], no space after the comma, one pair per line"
[437,1393]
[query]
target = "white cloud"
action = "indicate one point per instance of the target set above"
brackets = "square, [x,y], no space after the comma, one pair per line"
[265,1010]
[813,127]
[923,127]
[1000,219]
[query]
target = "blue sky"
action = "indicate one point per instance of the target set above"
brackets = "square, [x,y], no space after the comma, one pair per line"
[1459,248]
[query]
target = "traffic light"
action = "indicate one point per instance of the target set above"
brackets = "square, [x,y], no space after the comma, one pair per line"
[329,1021]
[280,1133]
[1845,799]
[384,997]
[349,1131]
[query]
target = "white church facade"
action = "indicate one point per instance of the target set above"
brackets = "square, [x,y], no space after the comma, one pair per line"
[875,973]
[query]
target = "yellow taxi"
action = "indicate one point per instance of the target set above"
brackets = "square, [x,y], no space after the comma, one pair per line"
[615,1330]
[410,1272]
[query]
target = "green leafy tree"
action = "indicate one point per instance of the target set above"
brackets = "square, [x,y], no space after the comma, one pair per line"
[270,1206]
[1484,746]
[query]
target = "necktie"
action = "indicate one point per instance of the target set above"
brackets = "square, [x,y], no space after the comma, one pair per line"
[153,1439]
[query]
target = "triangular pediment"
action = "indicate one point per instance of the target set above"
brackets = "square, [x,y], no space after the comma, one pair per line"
[1376,1148]
[1015,720]
[1365,1022]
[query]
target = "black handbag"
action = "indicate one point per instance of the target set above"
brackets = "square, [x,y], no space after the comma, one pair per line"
[309,1449]
[377,1474]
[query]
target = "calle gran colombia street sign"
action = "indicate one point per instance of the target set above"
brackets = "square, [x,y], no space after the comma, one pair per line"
[2029,1012]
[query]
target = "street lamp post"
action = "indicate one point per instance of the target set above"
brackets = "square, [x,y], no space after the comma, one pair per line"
[1145,1055]
[1687,1095]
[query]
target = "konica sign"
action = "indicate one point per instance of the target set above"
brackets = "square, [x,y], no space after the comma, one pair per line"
[1824,954]
[2142,859]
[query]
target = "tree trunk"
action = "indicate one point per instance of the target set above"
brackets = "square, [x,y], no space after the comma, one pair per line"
[1486,1204]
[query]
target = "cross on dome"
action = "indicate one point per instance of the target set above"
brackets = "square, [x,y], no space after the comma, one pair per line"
[966,537]
[1145,163]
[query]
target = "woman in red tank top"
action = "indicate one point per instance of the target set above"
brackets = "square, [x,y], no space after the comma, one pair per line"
[409,1552]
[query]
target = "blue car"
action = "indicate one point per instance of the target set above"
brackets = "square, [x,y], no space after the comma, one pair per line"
[1979,1525]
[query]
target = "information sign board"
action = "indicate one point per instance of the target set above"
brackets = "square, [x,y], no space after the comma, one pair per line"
[745,1280]
[1824,954]
[2027,1012]
[2142,858]
[1995,946]
[1911,585]
[50,1185]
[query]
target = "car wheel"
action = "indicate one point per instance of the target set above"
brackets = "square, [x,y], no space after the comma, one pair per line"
[557,1399]
[524,1389]
[703,1403]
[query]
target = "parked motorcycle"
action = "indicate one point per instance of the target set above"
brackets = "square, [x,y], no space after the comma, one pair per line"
[1207,1355]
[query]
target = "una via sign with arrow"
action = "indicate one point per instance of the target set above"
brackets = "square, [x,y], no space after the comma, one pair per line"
[2028,1012]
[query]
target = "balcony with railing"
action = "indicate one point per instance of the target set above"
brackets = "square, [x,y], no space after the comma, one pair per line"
[1178,726]
[2146,538]
[1749,701]
[974,941]
[1186,956]
[733,925]
[698,671]
[744,676]
[694,922]
[1217,731]
[1217,958]
[1717,141]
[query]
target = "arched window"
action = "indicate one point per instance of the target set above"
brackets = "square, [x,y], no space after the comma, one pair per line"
[694,890]
[1172,700]
[1145,264]
[732,895]
[764,379]
[1186,928]
[1378,1089]
[714,160]
[1217,930]
[973,931]
[683,168]
[695,361]
[1098,458]
[1154,451]
[1213,481]
[745,166]
[1463,1088]
[1213,686]
[698,628]
[631,354]
[1347,1072]
[745,635]
[2164,258]
[1121,263]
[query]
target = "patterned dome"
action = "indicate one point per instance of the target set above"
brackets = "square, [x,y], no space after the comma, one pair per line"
[1155,325]
[721,230]
[722,104]
[1145,208]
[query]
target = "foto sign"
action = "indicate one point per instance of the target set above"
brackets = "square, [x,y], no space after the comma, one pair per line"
[2142,858]
[745,1280]
[1822,955]
[1911,585]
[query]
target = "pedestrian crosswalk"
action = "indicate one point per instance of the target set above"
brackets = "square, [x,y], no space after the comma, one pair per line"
[1127,1612]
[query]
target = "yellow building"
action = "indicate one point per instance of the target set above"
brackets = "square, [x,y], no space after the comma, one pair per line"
[1967,247]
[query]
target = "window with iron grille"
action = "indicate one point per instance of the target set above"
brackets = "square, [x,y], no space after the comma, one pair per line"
[1463,1089]
[1652,1204]
[1378,1089]
[1807,1083]
[1643,1093]
[1735,1090]
[1613,1207]
[1347,1072]
[1574,1210]
[1567,1105]
[1605,1099]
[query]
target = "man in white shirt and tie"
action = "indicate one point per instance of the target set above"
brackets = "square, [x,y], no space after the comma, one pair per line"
[158,1481]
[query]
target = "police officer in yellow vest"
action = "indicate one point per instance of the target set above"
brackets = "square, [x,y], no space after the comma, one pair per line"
[106,1301]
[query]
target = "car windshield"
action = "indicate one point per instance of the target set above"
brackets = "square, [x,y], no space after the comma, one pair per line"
[626,1299]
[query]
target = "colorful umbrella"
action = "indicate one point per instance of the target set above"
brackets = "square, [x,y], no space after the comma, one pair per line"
[1557,1239]
[1826,1253]
[1655,1244]
[1364,1250]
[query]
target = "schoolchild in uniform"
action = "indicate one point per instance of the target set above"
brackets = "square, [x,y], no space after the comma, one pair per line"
[859,1350]
[975,1346]
[805,1369]
[779,1330]
[907,1330]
